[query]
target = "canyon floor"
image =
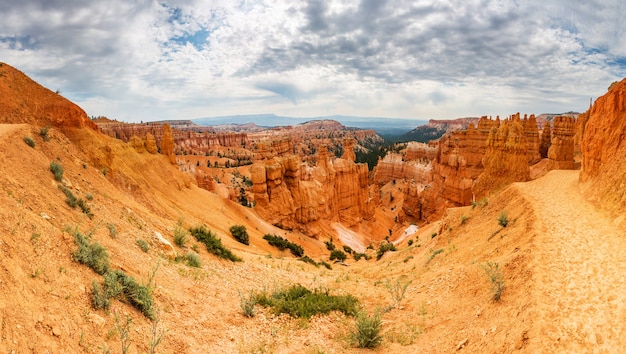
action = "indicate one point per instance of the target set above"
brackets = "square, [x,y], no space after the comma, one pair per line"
[562,260]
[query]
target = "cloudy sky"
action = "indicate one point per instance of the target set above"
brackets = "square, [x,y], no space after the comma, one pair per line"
[178,59]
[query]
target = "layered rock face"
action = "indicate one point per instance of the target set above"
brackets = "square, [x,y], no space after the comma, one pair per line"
[603,150]
[25,101]
[186,141]
[296,195]
[395,167]
[561,151]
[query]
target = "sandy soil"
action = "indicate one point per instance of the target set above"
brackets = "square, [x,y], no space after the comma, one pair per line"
[580,267]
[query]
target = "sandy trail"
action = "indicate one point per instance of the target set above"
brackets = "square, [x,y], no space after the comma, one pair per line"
[580,270]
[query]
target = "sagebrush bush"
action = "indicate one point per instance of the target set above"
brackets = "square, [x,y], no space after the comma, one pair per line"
[367,333]
[119,285]
[98,298]
[180,236]
[358,256]
[213,243]
[384,247]
[191,259]
[298,301]
[29,141]
[91,254]
[240,234]
[57,171]
[283,244]
[503,219]
[43,132]
[338,255]
[143,245]
[496,278]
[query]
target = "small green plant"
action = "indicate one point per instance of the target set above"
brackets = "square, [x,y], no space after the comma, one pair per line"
[307,259]
[89,196]
[157,334]
[91,254]
[326,265]
[213,243]
[384,247]
[338,255]
[367,333]
[410,243]
[481,203]
[433,235]
[191,259]
[112,230]
[247,302]
[283,244]
[496,278]
[56,170]
[99,299]
[119,285]
[240,233]
[180,236]
[73,202]
[143,245]
[464,219]
[503,219]
[432,255]
[348,250]
[123,329]
[397,290]
[29,141]
[329,244]
[43,133]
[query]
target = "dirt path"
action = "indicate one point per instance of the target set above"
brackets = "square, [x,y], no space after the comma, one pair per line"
[580,271]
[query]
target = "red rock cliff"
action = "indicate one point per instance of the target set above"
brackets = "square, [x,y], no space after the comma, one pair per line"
[25,101]
[604,152]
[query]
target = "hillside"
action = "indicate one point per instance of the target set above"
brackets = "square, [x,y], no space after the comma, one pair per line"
[560,258]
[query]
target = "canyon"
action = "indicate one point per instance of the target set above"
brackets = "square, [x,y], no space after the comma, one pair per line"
[561,253]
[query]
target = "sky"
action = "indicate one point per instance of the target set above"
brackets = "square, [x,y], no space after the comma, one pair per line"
[144,60]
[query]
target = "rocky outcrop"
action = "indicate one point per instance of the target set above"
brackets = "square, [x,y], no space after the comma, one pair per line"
[25,101]
[561,151]
[546,140]
[420,151]
[533,142]
[506,158]
[394,167]
[293,194]
[603,151]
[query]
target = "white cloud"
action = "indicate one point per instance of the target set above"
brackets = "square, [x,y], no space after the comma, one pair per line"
[147,60]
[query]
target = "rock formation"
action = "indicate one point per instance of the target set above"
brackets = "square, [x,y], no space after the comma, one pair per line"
[561,152]
[506,158]
[604,152]
[293,194]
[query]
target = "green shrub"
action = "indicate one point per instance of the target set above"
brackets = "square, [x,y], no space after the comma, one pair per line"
[112,230]
[298,301]
[283,244]
[91,254]
[56,170]
[496,278]
[240,233]
[325,264]
[143,245]
[481,203]
[119,285]
[410,243]
[383,248]
[247,303]
[329,244]
[464,219]
[433,235]
[358,256]
[503,219]
[98,298]
[432,255]
[29,141]
[348,250]
[191,259]
[307,259]
[43,132]
[82,204]
[180,236]
[367,332]
[70,199]
[213,243]
[338,255]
